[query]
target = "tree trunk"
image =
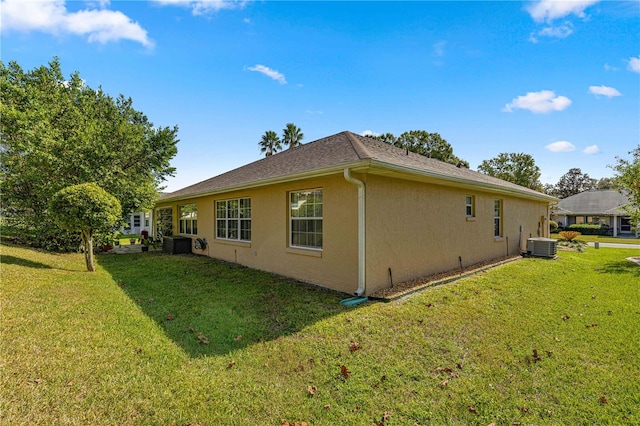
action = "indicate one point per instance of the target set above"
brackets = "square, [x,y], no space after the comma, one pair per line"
[87,242]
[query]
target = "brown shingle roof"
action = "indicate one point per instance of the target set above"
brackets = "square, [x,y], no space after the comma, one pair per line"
[332,154]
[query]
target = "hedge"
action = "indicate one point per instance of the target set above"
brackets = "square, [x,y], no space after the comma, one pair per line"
[589,228]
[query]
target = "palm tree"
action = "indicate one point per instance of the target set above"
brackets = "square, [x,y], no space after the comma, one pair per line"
[270,144]
[292,135]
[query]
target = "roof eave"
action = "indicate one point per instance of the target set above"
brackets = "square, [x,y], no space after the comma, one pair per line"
[469,183]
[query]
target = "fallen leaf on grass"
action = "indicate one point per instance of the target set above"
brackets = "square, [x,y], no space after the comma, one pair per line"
[203,339]
[296,423]
[472,410]
[312,390]
[524,409]
[345,372]
[591,325]
[327,406]
[231,364]
[238,338]
[191,329]
[444,383]
[565,317]
[603,400]
[536,356]
[169,317]
[354,346]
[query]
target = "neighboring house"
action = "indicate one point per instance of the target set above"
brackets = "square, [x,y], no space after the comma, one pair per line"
[355,214]
[138,222]
[606,207]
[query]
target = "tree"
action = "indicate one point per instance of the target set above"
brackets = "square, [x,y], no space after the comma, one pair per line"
[424,143]
[58,132]
[86,208]
[605,183]
[270,143]
[292,135]
[627,179]
[518,168]
[573,182]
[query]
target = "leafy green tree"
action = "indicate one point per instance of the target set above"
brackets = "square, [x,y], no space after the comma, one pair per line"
[85,208]
[270,143]
[292,135]
[518,168]
[605,183]
[58,132]
[424,143]
[627,179]
[573,182]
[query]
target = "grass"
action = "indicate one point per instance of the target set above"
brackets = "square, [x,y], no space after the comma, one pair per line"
[603,239]
[534,341]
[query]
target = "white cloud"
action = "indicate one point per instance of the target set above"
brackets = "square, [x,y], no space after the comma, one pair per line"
[591,149]
[608,67]
[369,133]
[609,92]
[273,74]
[561,146]
[310,111]
[99,25]
[550,10]
[204,7]
[561,31]
[634,64]
[438,48]
[540,102]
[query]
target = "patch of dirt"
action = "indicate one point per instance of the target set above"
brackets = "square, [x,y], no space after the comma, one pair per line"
[406,287]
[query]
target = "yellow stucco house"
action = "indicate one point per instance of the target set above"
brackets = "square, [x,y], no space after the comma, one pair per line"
[353,213]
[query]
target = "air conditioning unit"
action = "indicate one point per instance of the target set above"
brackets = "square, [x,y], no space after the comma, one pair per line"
[542,247]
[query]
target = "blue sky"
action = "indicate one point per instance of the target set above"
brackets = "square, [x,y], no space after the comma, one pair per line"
[559,80]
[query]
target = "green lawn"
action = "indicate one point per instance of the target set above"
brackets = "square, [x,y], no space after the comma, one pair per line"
[603,239]
[178,339]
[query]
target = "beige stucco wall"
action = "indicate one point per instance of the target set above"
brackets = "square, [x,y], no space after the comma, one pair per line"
[336,266]
[414,228]
[418,229]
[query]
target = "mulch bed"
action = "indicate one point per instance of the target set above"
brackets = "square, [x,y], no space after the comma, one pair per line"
[407,287]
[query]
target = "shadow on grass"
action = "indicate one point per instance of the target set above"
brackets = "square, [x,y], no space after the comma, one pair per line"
[620,267]
[12,260]
[211,307]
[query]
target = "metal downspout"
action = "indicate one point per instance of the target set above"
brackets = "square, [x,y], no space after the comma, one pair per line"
[361,231]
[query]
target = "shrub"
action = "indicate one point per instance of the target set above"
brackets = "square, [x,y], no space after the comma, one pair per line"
[553,225]
[589,228]
[569,235]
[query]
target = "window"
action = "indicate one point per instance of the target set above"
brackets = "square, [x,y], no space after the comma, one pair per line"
[497,218]
[233,219]
[470,206]
[147,217]
[188,221]
[136,220]
[305,218]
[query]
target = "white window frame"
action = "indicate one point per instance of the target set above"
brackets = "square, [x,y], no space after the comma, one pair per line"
[497,218]
[188,221]
[470,205]
[233,219]
[306,224]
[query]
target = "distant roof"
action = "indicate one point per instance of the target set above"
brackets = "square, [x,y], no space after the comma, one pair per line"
[592,203]
[331,154]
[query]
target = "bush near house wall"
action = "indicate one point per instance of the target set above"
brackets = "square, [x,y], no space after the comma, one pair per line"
[589,228]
